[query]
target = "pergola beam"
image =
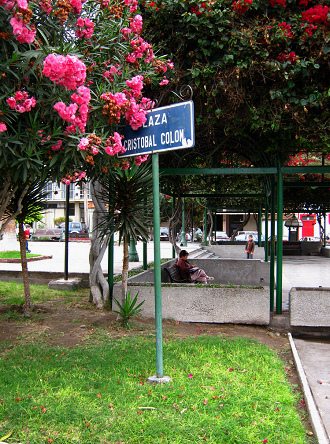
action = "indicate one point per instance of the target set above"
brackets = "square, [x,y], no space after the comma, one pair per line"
[244,171]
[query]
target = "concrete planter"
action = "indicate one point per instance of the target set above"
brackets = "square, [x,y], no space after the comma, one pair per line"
[310,307]
[191,303]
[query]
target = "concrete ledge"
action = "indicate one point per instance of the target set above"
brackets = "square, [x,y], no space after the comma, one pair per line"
[310,307]
[325,251]
[204,303]
[225,271]
[62,284]
[42,277]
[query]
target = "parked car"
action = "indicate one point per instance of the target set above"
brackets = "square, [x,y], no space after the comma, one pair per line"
[244,237]
[221,236]
[163,234]
[75,228]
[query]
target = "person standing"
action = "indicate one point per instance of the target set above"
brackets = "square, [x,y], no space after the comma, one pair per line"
[27,234]
[249,247]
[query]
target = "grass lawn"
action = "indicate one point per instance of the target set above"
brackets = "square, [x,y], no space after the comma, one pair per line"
[223,390]
[15,255]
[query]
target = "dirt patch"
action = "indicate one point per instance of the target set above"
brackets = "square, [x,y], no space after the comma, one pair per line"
[61,324]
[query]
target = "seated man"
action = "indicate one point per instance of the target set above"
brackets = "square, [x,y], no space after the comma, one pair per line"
[187,270]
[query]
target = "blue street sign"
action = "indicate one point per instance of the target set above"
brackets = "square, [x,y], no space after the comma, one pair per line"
[167,128]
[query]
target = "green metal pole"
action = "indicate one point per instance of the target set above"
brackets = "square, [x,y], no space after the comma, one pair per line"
[183,226]
[259,225]
[279,252]
[174,233]
[132,253]
[266,231]
[157,269]
[272,247]
[145,249]
[205,227]
[111,267]
[145,255]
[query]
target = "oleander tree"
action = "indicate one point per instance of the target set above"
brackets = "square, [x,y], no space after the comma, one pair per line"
[73,73]
[259,70]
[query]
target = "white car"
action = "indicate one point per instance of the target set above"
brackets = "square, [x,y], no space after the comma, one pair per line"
[221,235]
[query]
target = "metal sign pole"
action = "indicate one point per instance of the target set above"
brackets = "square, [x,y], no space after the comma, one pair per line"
[159,377]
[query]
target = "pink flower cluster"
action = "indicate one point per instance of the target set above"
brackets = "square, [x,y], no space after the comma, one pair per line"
[111,72]
[21,102]
[317,14]
[85,28]
[136,24]
[241,6]
[114,145]
[140,159]
[67,71]
[141,49]
[3,127]
[136,86]
[75,177]
[77,112]
[57,146]
[76,5]
[22,33]
[132,4]
[46,6]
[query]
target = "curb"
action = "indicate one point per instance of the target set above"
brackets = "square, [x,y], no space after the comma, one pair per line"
[314,415]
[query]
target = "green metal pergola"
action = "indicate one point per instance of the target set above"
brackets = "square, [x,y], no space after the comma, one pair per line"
[264,200]
[270,200]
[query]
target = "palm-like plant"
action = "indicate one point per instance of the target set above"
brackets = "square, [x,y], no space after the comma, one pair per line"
[128,194]
[29,204]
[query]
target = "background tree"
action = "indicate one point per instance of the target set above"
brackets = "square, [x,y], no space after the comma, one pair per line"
[259,74]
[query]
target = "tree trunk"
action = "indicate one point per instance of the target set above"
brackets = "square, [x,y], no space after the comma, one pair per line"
[125,268]
[25,273]
[99,287]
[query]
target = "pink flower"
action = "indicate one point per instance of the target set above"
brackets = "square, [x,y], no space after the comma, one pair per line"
[76,5]
[136,24]
[57,146]
[67,71]
[140,159]
[136,85]
[126,32]
[85,28]
[190,376]
[67,113]
[83,144]
[21,102]
[45,5]
[22,33]
[22,4]
[114,145]
[135,115]
[164,82]
[133,5]
[3,127]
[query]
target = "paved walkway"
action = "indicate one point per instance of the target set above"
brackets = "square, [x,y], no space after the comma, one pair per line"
[302,271]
